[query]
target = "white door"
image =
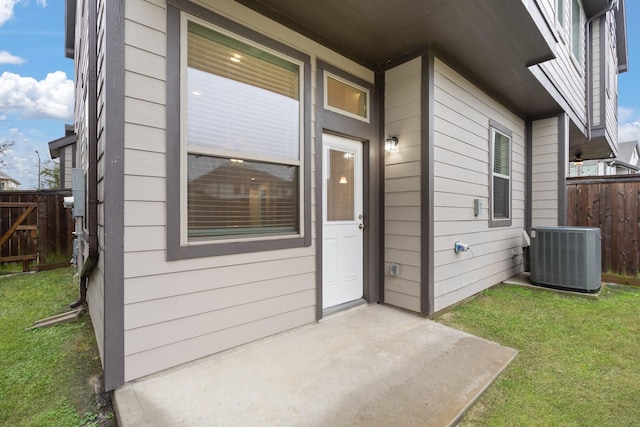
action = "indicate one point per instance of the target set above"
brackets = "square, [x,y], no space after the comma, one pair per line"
[342,220]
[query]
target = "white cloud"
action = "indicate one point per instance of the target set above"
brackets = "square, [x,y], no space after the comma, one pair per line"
[629,131]
[628,124]
[21,160]
[626,115]
[6,10]
[7,58]
[33,99]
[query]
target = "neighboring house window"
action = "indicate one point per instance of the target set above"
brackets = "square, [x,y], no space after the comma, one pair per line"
[611,60]
[607,72]
[576,31]
[560,12]
[500,175]
[243,138]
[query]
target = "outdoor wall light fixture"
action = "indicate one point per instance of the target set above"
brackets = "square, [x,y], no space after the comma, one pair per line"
[391,144]
[578,160]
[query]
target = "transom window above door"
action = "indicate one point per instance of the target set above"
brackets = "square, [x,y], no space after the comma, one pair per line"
[346,98]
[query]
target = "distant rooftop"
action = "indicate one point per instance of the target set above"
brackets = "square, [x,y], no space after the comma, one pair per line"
[5,177]
[625,150]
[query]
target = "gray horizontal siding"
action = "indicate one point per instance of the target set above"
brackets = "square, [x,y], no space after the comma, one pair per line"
[564,72]
[461,168]
[402,185]
[182,310]
[544,172]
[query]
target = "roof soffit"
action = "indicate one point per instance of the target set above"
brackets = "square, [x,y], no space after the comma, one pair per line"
[495,41]
[379,31]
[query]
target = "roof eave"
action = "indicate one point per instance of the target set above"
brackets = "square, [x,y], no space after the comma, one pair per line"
[57,144]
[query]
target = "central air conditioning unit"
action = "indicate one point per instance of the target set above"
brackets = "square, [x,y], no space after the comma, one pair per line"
[566,258]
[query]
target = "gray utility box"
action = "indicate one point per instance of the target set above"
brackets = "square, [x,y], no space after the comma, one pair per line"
[566,258]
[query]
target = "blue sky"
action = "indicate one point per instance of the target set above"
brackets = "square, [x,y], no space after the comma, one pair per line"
[36,87]
[629,82]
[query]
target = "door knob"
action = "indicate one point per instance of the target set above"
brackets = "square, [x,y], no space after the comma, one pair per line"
[360,226]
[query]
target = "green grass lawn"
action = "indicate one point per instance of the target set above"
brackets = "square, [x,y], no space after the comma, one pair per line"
[44,373]
[579,360]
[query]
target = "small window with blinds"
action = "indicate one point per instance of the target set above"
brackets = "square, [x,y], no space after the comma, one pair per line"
[243,137]
[500,176]
[346,98]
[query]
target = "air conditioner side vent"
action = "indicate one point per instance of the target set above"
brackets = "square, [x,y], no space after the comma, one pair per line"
[566,257]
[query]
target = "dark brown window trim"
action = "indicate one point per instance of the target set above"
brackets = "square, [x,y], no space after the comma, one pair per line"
[175,250]
[427,184]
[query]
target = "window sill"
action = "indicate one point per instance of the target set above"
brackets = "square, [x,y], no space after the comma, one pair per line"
[500,223]
[210,249]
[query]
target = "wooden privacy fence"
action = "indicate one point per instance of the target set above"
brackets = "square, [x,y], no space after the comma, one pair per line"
[610,203]
[35,227]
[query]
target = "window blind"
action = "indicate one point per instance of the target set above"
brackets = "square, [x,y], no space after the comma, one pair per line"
[215,53]
[245,103]
[240,98]
[501,150]
[500,197]
[501,174]
[232,196]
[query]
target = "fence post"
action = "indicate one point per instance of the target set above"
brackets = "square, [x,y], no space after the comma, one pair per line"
[42,229]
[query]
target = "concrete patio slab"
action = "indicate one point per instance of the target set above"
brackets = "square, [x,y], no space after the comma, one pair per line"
[371,365]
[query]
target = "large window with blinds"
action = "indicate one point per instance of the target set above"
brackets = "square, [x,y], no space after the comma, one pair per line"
[500,175]
[242,138]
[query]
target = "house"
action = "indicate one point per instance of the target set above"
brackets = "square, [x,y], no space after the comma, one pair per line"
[8,183]
[628,160]
[279,113]
[626,163]
[65,149]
